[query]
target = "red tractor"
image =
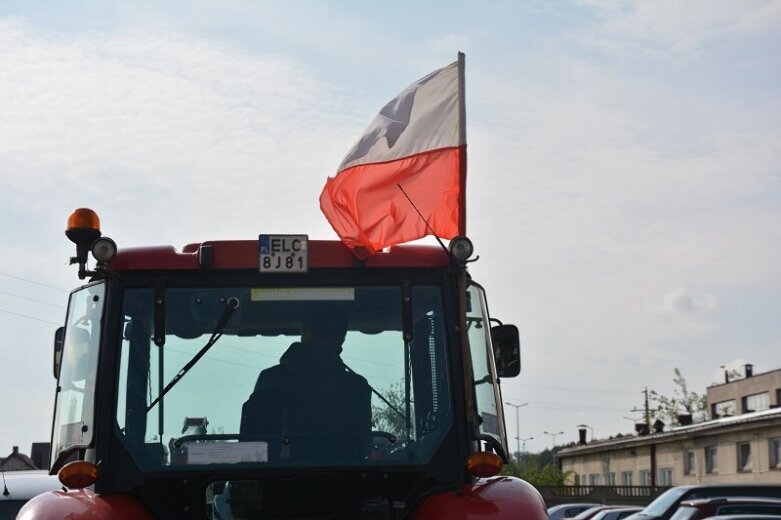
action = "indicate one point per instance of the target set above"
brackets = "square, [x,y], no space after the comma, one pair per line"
[280,378]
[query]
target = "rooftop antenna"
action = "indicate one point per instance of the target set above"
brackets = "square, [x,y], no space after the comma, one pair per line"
[445,249]
[461,247]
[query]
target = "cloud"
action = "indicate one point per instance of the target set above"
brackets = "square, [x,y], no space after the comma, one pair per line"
[170,138]
[680,302]
[448,42]
[155,121]
[669,28]
[607,183]
[625,156]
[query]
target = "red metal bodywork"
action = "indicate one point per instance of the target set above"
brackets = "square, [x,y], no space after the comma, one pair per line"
[243,254]
[497,498]
[82,503]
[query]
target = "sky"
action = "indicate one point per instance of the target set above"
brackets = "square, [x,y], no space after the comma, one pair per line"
[624,178]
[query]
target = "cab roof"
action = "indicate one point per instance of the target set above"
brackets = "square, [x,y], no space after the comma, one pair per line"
[243,254]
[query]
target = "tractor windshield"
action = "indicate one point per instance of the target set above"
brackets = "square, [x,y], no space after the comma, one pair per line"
[283,376]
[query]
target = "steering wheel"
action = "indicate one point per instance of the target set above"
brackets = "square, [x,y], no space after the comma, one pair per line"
[178,441]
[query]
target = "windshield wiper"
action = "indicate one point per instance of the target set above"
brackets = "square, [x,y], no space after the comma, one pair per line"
[231,305]
[384,399]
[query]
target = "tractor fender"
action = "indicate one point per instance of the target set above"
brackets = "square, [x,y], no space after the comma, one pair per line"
[82,503]
[495,498]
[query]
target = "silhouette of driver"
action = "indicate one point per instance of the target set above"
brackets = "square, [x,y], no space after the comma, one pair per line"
[321,409]
[318,352]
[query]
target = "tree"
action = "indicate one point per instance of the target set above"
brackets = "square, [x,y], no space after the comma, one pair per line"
[667,408]
[732,374]
[537,469]
[390,417]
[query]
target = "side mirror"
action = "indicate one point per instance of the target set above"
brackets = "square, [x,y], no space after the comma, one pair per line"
[507,350]
[59,339]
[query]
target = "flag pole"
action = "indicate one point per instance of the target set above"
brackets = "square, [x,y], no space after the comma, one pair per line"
[462,143]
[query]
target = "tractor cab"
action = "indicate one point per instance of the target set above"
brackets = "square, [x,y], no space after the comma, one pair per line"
[278,378]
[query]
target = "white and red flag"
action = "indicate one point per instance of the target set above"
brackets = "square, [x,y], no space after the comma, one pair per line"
[417,142]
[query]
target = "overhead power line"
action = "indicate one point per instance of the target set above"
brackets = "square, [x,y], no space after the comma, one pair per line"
[32,299]
[574,406]
[33,282]
[30,317]
[574,389]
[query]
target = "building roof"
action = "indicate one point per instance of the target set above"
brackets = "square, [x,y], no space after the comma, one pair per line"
[24,459]
[679,432]
[243,254]
[742,379]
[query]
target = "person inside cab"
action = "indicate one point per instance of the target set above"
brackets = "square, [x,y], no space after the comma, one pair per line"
[311,408]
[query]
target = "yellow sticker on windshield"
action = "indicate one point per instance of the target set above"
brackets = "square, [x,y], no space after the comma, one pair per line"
[296,294]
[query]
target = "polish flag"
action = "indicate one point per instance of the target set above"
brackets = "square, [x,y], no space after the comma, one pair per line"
[410,159]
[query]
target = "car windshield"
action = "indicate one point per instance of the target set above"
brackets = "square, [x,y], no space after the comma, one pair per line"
[664,501]
[588,513]
[750,509]
[684,513]
[283,376]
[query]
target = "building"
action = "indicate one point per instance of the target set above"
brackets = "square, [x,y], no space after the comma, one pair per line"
[752,393]
[16,461]
[740,444]
[40,453]
[39,458]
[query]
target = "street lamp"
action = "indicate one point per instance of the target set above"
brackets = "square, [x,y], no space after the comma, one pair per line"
[554,437]
[517,428]
[523,446]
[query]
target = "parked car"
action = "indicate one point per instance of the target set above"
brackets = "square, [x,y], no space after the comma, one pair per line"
[706,507]
[616,513]
[562,511]
[743,517]
[667,503]
[22,486]
[589,513]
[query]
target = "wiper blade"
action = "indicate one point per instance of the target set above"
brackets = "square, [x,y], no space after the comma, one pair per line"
[232,305]
[384,399]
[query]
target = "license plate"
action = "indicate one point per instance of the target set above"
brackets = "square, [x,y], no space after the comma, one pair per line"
[283,253]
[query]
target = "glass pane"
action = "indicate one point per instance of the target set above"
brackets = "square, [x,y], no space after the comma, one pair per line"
[775,452]
[749,509]
[663,502]
[711,460]
[74,412]
[297,376]
[479,331]
[756,402]
[685,513]
[688,462]
[724,409]
[744,457]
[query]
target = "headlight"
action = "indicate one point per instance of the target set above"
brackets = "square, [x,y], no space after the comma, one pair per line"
[461,248]
[104,249]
